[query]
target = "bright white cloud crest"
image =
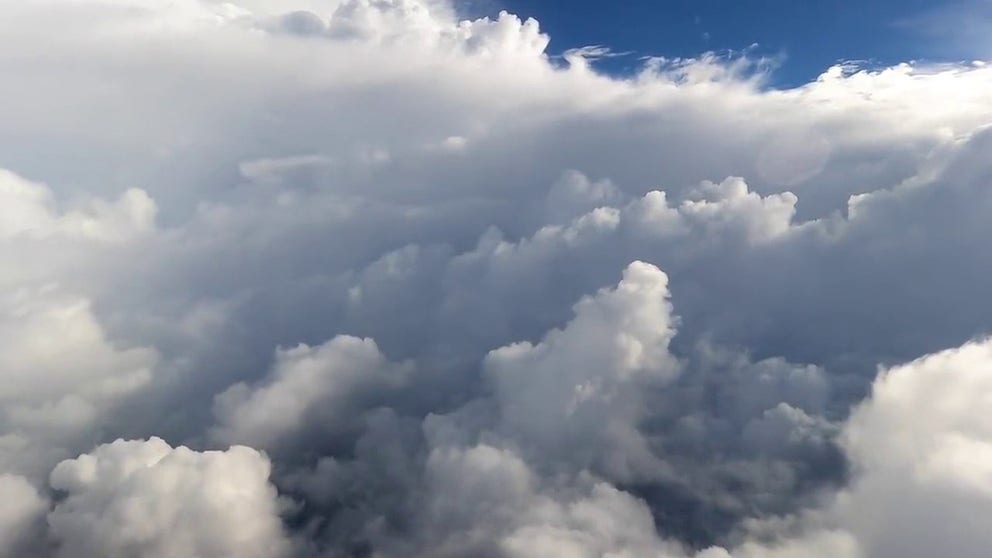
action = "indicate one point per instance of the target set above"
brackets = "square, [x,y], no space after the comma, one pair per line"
[473,300]
[144,498]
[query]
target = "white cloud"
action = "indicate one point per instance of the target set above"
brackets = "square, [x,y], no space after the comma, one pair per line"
[307,386]
[485,500]
[61,377]
[28,210]
[578,390]
[920,447]
[21,511]
[920,456]
[404,208]
[53,346]
[145,498]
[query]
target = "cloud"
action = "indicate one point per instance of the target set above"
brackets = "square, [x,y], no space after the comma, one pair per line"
[145,498]
[489,502]
[919,449]
[28,211]
[62,377]
[20,514]
[473,302]
[308,385]
[578,390]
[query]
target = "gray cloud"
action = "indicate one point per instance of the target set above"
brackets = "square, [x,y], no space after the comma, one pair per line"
[474,303]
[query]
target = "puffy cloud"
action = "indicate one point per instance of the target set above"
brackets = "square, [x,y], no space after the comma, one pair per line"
[574,195]
[21,513]
[61,377]
[28,210]
[578,390]
[486,501]
[920,446]
[309,386]
[145,498]
[919,451]
[425,220]
[53,346]
[600,401]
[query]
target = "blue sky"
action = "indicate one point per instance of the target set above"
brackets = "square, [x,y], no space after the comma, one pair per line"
[811,35]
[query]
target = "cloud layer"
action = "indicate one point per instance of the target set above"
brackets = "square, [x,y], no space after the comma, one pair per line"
[326,278]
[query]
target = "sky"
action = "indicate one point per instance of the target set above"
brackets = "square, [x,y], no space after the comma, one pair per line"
[419,279]
[803,37]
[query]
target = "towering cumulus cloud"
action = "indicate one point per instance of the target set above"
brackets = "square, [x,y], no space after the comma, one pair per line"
[357,278]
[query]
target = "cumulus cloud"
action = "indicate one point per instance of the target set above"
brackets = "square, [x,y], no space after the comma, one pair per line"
[921,446]
[919,449]
[28,211]
[145,498]
[486,501]
[62,377]
[474,301]
[21,514]
[578,390]
[320,386]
